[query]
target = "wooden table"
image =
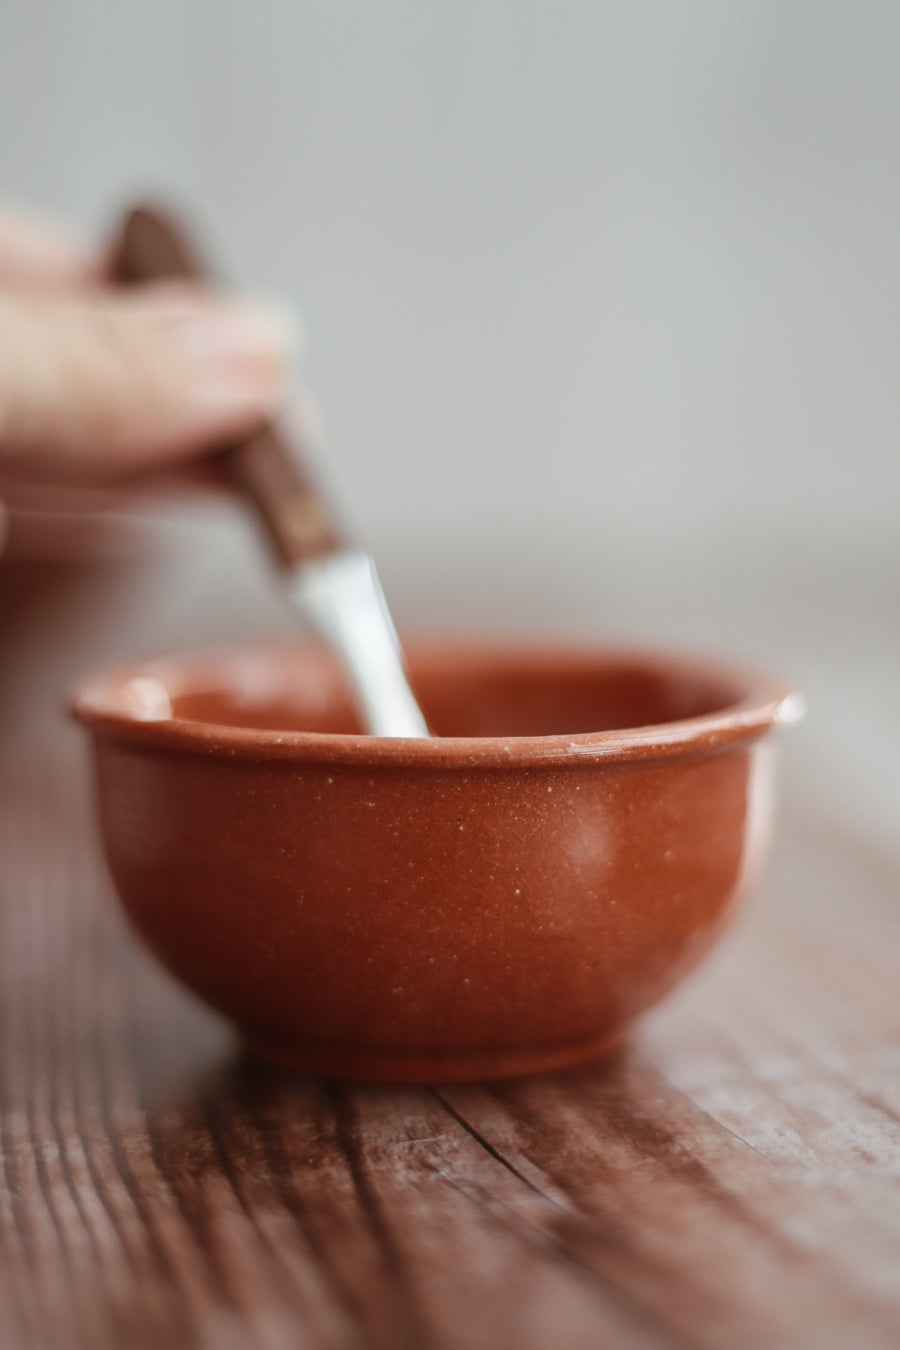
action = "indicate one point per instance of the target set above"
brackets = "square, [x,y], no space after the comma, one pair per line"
[731,1181]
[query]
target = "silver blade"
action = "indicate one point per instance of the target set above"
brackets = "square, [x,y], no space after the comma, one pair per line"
[340,597]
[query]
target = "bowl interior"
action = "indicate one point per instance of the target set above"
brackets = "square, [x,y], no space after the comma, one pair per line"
[463,693]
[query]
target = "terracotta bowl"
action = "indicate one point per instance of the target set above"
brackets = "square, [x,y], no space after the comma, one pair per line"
[501,900]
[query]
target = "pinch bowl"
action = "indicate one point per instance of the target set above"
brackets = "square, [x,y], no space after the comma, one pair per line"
[504,898]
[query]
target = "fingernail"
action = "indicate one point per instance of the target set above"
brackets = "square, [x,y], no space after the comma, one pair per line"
[237,353]
[288,316]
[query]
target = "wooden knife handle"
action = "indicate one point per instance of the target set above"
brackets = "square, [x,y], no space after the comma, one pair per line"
[264,466]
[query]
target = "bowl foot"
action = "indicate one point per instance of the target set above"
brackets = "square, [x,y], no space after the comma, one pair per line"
[424,1067]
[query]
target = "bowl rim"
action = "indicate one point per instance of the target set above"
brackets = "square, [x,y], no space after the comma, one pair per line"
[759,704]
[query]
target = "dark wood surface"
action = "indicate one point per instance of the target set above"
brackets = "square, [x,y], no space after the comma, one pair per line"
[733,1179]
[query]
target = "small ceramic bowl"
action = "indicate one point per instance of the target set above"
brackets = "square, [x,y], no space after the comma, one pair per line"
[503,899]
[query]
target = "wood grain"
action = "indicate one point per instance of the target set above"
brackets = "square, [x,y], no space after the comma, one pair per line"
[731,1180]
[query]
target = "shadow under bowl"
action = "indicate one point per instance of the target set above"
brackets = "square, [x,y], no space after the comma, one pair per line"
[502,899]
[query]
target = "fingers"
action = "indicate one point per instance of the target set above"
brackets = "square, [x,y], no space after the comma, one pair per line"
[33,253]
[106,384]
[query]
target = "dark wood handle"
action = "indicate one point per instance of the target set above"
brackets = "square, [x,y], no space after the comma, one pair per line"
[265,467]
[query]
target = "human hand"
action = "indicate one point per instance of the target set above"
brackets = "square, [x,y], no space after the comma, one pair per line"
[97,383]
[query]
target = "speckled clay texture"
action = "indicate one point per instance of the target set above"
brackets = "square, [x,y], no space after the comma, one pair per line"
[502,899]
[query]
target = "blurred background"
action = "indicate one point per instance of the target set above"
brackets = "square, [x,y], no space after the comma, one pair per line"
[603,305]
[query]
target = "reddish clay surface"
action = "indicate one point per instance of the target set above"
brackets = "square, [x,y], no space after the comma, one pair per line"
[501,900]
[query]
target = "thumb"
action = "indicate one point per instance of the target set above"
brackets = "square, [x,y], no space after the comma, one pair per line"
[109,384]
